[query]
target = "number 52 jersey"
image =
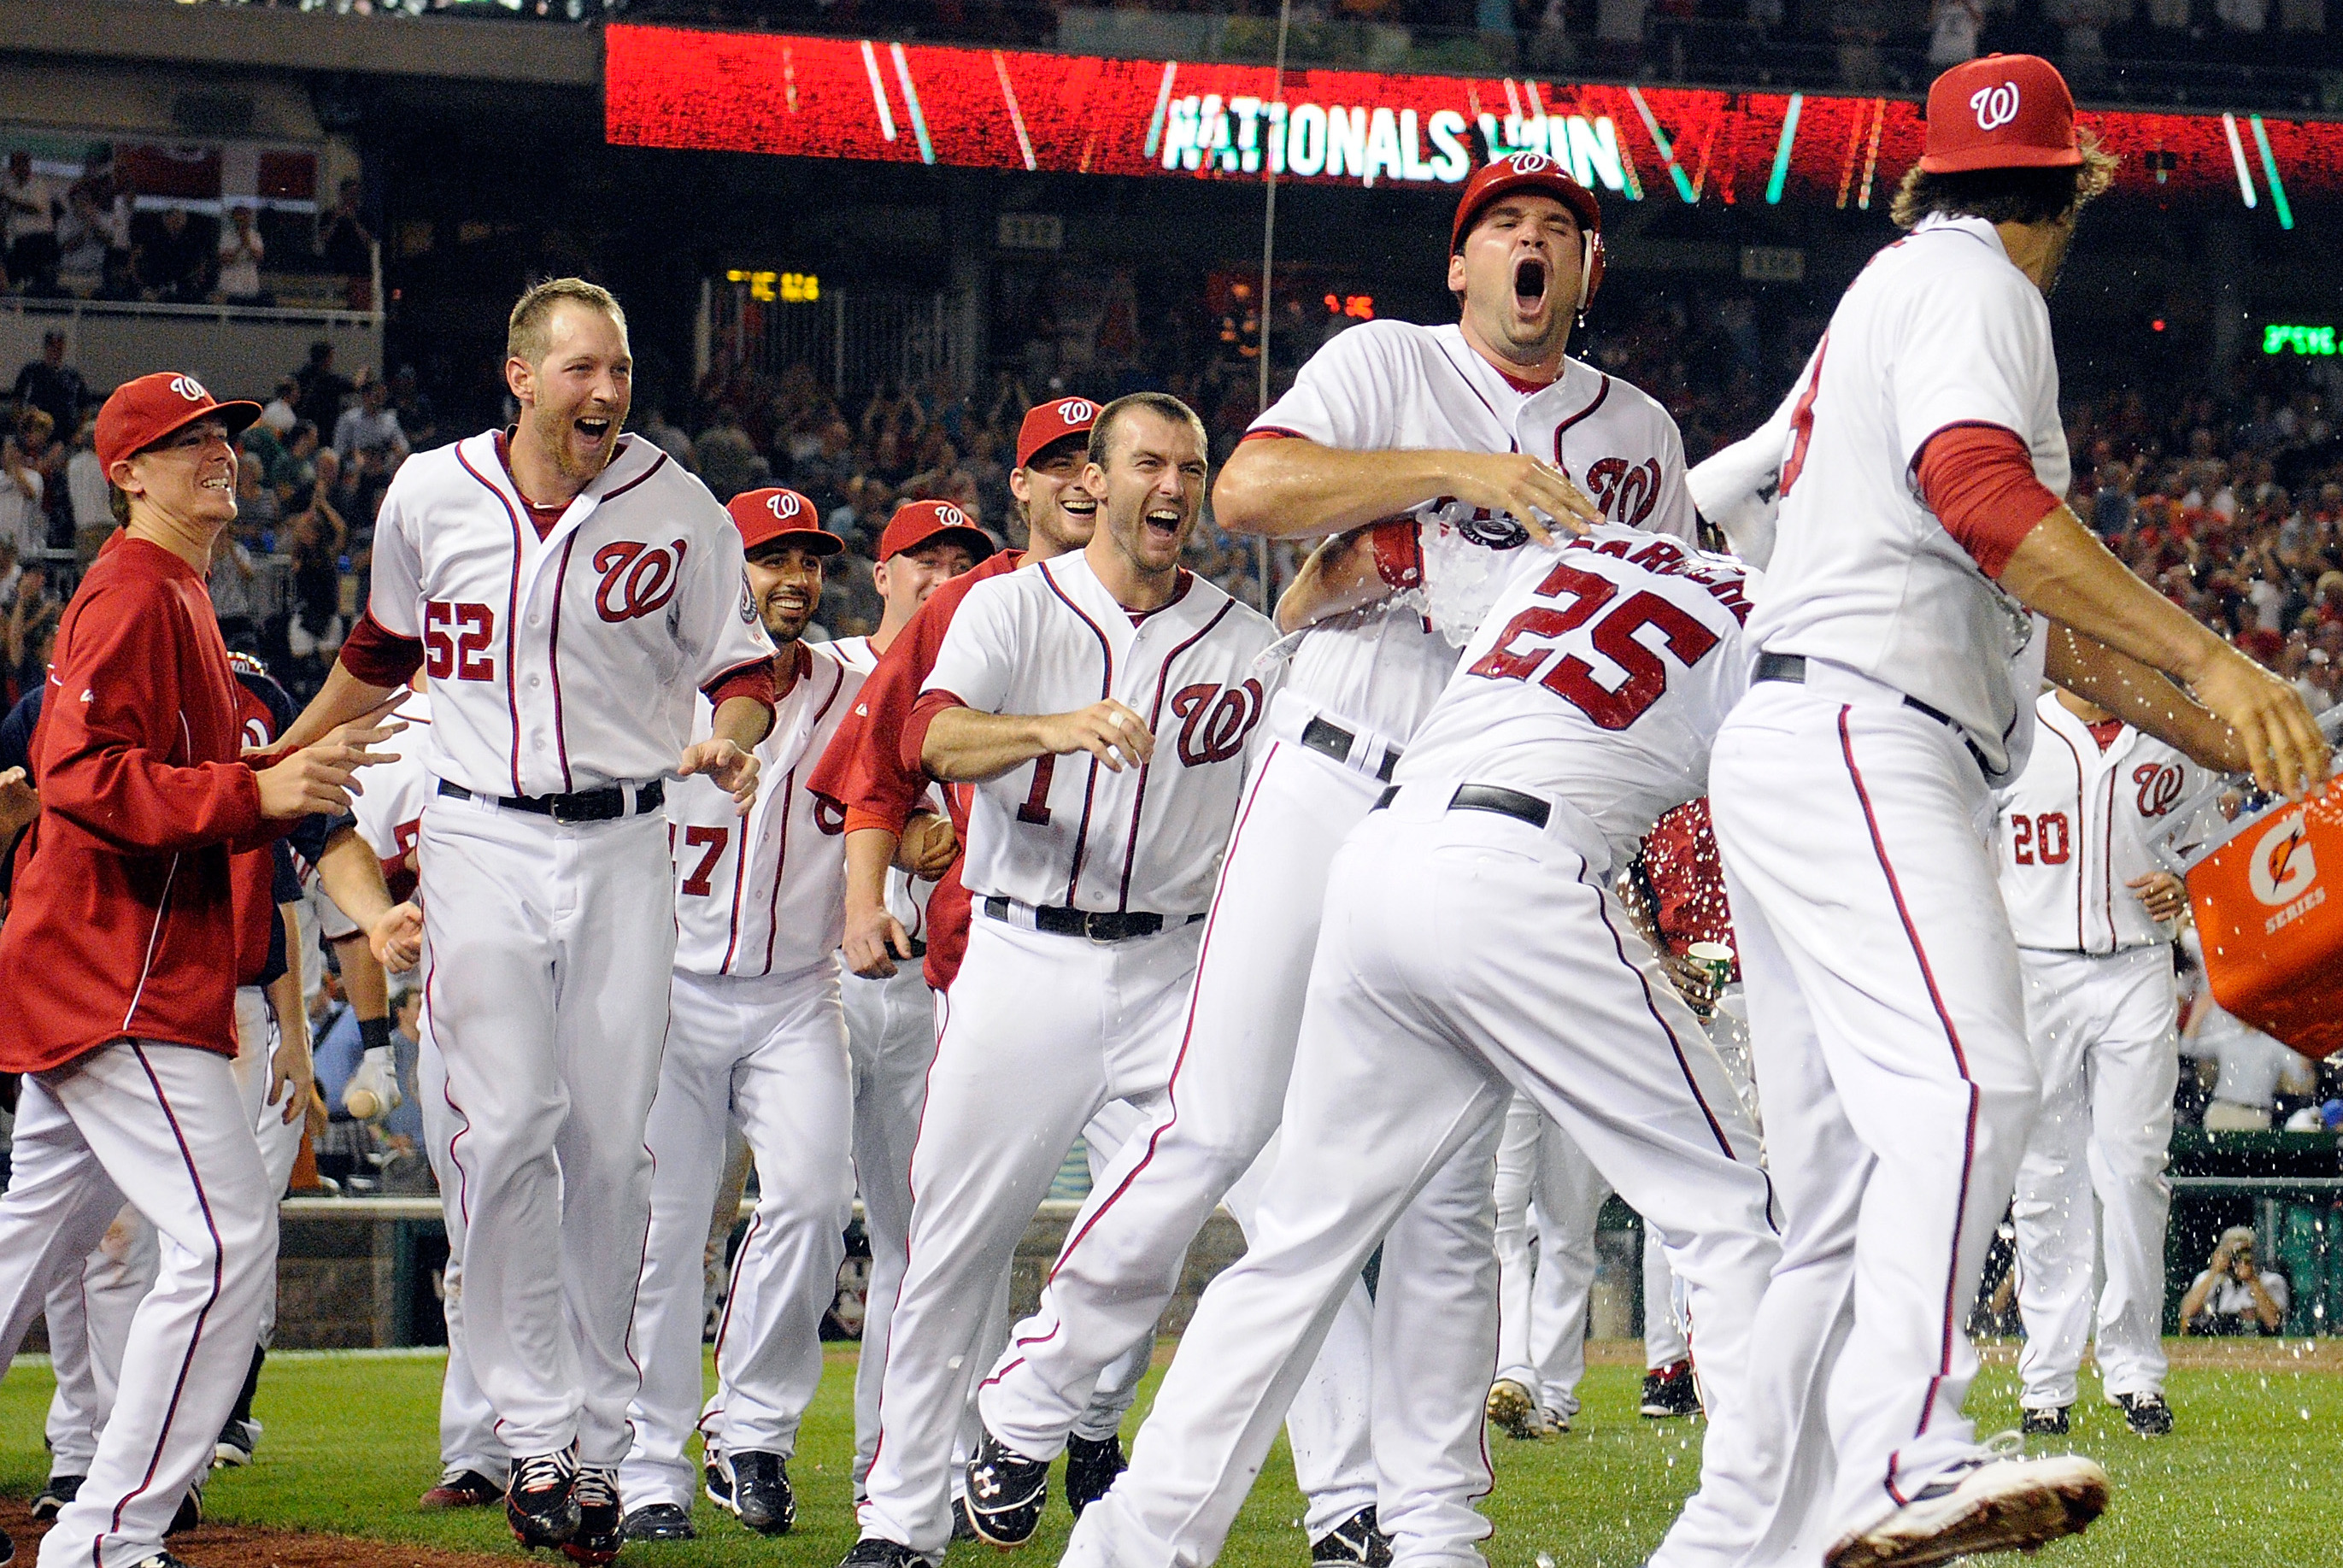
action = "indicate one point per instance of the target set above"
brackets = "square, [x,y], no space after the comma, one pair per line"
[1599,675]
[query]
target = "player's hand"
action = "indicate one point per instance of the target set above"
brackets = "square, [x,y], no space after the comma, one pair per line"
[18,804]
[926,847]
[1530,490]
[874,940]
[728,768]
[1691,980]
[1107,730]
[396,938]
[2162,894]
[292,1082]
[323,777]
[2283,748]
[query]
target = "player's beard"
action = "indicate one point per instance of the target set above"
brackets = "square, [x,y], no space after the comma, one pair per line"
[554,430]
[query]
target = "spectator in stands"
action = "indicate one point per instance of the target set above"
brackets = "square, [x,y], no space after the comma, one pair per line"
[88,493]
[416,419]
[667,438]
[240,254]
[277,415]
[234,580]
[2233,1295]
[728,458]
[319,537]
[320,389]
[32,211]
[175,262]
[95,228]
[297,473]
[31,630]
[11,571]
[370,427]
[23,517]
[118,281]
[51,385]
[347,248]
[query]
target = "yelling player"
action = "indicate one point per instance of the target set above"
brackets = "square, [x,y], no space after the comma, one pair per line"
[1919,522]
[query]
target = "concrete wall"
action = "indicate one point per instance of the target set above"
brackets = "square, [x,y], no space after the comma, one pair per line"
[235,353]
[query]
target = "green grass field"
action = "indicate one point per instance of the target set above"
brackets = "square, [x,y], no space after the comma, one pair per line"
[2250,1478]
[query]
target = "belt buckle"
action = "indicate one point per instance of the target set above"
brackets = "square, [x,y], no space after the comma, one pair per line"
[1095,925]
[557,807]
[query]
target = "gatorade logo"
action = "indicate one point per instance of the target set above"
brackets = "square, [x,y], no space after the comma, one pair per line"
[190,389]
[1076,411]
[2283,866]
[1994,106]
[784,504]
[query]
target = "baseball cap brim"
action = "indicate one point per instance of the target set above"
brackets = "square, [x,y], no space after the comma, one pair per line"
[813,541]
[238,417]
[978,542]
[2000,156]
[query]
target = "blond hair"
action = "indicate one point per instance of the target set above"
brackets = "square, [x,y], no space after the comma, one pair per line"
[525,333]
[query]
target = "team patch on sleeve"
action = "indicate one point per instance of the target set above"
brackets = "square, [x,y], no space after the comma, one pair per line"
[747,600]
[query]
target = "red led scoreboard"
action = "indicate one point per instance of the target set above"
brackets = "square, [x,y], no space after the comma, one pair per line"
[1013,109]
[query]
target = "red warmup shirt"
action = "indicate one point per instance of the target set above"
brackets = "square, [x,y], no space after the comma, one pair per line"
[125,918]
[863,775]
[1680,862]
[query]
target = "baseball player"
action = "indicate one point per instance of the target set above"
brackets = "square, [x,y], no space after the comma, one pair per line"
[755,1035]
[1472,895]
[864,773]
[119,958]
[1454,431]
[2088,905]
[570,590]
[1919,522]
[1090,850]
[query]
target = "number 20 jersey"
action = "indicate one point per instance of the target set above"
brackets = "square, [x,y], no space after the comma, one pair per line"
[1599,675]
[572,661]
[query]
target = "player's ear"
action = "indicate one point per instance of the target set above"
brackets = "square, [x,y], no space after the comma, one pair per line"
[1018,485]
[520,378]
[1456,272]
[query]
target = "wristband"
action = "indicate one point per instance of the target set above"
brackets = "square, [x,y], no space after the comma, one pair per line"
[374,1032]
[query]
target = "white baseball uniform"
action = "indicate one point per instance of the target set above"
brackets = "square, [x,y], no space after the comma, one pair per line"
[1547,1184]
[757,1036]
[1581,709]
[561,664]
[2101,1009]
[1042,1027]
[1884,990]
[1355,689]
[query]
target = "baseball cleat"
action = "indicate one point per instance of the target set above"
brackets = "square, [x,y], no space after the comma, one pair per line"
[1995,1503]
[1006,1492]
[7,1549]
[761,1498]
[237,1442]
[873,1551]
[460,1488]
[2044,1421]
[1513,1410]
[58,1491]
[717,1479]
[1358,1541]
[1091,1469]
[599,1536]
[963,1528]
[660,1522]
[1670,1390]
[160,1560]
[541,1504]
[190,1511]
[2146,1414]
[1556,1424]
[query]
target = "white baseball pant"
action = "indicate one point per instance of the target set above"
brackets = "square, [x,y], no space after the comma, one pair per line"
[164,1122]
[468,1423]
[1039,1033]
[1546,1182]
[1890,1049]
[2103,1032]
[552,945]
[891,1037]
[771,1052]
[1447,937]
[1124,1258]
[89,1313]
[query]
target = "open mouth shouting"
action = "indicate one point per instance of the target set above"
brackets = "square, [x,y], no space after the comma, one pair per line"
[1162,522]
[1531,279]
[595,430]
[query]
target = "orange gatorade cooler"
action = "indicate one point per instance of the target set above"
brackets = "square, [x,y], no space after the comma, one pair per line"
[2268,892]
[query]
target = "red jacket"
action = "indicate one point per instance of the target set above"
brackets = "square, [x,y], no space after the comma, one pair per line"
[862,774]
[124,923]
[1680,862]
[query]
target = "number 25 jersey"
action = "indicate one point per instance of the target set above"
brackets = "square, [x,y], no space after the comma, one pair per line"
[1599,675]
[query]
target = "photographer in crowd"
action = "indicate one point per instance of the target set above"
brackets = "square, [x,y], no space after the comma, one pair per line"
[2233,1296]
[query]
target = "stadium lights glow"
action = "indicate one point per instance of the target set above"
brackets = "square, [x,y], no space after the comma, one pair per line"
[786,287]
[2269,167]
[1782,153]
[2279,338]
[2237,157]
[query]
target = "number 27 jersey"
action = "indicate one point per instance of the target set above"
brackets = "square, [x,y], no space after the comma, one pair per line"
[1599,675]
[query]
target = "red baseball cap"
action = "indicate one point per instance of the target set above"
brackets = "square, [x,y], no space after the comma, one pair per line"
[1524,172]
[1053,421]
[916,523]
[142,412]
[764,515]
[2000,112]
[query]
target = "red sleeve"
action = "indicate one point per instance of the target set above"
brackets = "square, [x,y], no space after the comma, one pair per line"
[1398,545]
[381,657]
[864,772]
[915,728]
[96,762]
[753,680]
[1979,481]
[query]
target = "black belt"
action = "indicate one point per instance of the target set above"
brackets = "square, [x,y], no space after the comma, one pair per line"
[1329,740]
[1494,798]
[607,804]
[919,947]
[1791,667]
[1097,925]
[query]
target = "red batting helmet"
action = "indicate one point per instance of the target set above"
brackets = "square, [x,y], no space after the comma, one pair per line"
[1518,172]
